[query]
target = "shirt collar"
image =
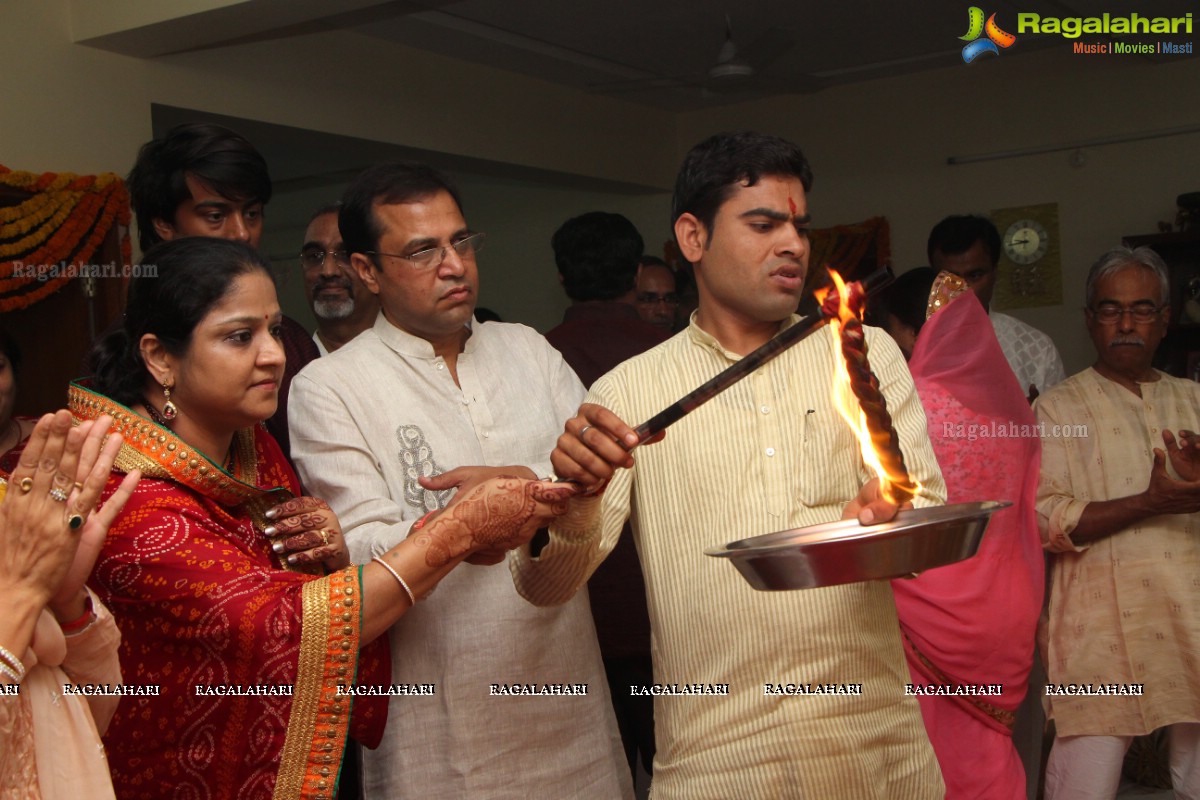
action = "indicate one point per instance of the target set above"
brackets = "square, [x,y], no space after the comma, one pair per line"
[405,343]
[706,340]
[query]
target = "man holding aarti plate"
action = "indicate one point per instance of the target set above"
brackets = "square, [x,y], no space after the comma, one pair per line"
[769,453]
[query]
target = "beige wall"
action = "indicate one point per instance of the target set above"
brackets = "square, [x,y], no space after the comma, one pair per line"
[82,109]
[77,108]
[878,147]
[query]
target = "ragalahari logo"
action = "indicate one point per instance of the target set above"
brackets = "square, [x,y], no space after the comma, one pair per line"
[996,38]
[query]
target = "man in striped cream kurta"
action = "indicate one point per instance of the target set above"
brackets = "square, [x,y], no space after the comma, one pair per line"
[767,454]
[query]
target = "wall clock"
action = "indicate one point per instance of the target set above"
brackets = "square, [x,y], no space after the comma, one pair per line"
[1030,261]
[1026,241]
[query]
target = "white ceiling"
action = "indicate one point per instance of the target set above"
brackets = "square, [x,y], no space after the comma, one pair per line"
[655,52]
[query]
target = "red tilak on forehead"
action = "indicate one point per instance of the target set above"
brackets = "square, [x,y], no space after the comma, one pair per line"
[792,206]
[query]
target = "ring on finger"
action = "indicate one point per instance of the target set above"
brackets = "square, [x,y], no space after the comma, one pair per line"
[26,485]
[58,494]
[584,430]
[79,486]
[75,521]
[324,536]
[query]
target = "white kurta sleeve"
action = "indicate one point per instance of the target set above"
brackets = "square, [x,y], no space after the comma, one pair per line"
[335,462]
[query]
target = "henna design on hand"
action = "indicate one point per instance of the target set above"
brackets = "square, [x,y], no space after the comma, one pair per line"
[500,514]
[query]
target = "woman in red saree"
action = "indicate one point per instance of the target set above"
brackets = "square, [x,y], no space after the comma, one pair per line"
[242,622]
[973,623]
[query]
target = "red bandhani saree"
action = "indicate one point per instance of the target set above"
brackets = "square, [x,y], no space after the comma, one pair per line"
[246,657]
[972,624]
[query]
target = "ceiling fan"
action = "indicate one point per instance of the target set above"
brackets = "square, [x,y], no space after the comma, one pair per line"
[736,69]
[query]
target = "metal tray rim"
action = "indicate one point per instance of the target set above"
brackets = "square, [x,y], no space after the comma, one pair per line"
[850,530]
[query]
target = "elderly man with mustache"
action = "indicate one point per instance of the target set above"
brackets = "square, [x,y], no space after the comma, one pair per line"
[1119,509]
[343,306]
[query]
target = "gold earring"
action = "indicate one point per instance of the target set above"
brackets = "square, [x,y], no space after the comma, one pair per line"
[169,411]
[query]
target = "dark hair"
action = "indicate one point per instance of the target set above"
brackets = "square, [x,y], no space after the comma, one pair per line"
[329,208]
[597,255]
[391,182]
[721,162]
[907,299]
[653,261]
[212,153]
[179,283]
[11,350]
[959,233]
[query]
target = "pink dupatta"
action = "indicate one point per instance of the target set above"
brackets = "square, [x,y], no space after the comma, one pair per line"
[974,622]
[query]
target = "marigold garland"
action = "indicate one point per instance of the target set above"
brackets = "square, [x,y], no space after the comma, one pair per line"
[60,225]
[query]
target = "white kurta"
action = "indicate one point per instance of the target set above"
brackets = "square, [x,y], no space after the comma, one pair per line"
[1031,354]
[366,422]
[769,453]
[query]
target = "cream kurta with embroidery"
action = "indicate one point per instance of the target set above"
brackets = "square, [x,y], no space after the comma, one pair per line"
[1124,609]
[767,454]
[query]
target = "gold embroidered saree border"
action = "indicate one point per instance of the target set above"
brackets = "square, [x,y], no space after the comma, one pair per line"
[1002,716]
[320,717]
[159,453]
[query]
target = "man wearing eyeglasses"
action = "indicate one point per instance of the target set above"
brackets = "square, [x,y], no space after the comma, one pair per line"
[656,298]
[1119,507]
[385,429]
[340,301]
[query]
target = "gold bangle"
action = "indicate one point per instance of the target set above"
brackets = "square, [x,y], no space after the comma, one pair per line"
[411,597]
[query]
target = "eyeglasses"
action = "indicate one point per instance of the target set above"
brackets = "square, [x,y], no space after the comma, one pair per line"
[652,299]
[431,258]
[315,259]
[1110,313]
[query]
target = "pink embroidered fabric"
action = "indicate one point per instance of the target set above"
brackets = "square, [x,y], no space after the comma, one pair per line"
[973,623]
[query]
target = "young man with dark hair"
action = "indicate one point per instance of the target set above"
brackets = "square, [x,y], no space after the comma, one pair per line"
[597,257]
[199,180]
[770,453]
[969,246]
[202,179]
[445,393]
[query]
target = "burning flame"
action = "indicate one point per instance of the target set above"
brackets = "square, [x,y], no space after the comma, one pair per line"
[894,483]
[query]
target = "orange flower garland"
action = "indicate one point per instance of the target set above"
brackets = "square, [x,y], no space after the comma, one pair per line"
[56,229]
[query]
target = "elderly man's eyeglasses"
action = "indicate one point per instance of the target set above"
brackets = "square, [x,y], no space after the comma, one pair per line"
[1110,313]
[432,257]
[315,259]
[652,299]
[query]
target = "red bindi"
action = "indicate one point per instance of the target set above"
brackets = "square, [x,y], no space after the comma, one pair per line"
[792,206]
